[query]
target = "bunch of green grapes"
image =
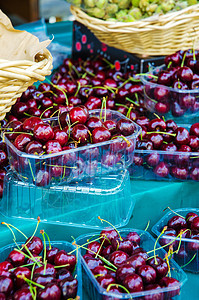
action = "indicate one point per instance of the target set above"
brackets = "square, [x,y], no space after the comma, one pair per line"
[130,10]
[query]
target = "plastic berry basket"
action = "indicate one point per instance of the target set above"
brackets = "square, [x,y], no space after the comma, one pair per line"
[61,245]
[93,288]
[168,166]
[188,259]
[75,204]
[175,100]
[74,164]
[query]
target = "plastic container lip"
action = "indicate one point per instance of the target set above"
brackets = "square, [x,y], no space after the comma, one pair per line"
[102,291]
[79,187]
[160,68]
[77,270]
[135,134]
[171,214]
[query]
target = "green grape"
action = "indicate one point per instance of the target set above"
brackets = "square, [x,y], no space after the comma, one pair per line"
[135,13]
[120,15]
[159,10]
[123,4]
[168,5]
[111,9]
[180,5]
[151,8]
[101,3]
[129,18]
[89,3]
[135,3]
[96,12]
[143,4]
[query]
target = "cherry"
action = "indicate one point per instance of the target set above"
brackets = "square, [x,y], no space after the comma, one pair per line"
[62,258]
[22,140]
[100,270]
[22,271]
[92,262]
[51,291]
[123,271]
[136,260]
[133,237]
[53,146]
[185,74]
[30,123]
[154,296]
[111,126]
[179,173]
[19,109]
[171,283]
[144,144]
[133,283]
[43,132]
[157,125]
[23,293]
[94,122]
[93,103]
[118,258]
[161,94]
[182,136]
[93,248]
[78,114]
[187,101]
[43,279]
[159,265]
[177,223]
[80,133]
[68,288]
[161,169]
[50,254]
[147,273]
[125,127]
[6,285]
[194,130]
[170,124]
[195,224]
[14,126]
[141,252]
[16,258]
[194,142]
[193,246]
[124,245]
[100,134]
[194,173]
[42,178]
[164,78]
[176,109]
[48,270]
[153,159]
[34,112]
[105,280]
[190,217]
[5,266]
[162,108]
[34,244]
[107,251]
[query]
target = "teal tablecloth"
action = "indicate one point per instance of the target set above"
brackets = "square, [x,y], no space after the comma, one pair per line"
[151,197]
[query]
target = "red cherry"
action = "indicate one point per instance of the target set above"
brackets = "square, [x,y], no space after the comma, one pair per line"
[43,132]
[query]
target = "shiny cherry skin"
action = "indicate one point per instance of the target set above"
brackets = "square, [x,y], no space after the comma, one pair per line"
[111,126]
[34,147]
[147,273]
[19,271]
[136,261]
[94,122]
[93,262]
[42,178]
[118,258]
[51,291]
[78,114]
[53,146]
[43,279]
[16,258]
[171,282]
[50,254]
[177,110]
[177,223]
[34,245]
[162,169]
[105,280]
[157,125]
[123,245]
[22,140]
[190,217]
[195,224]
[125,127]
[43,132]
[69,287]
[194,130]
[100,134]
[123,271]
[23,293]
[93,248]
[49,270]
[185,74]
[133,283]
[100,270]
[62,258]
[107,251]
[61,136]
[93,103]
[6,285]
[14,126]
[133,237]
[182,136]
[159,265]
[80,134]
[153,159]
[154,296]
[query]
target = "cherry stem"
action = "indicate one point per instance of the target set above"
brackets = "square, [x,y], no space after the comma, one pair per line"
[110,269]
[30,281]
[88,242]
[60,89]
[118,285]
[123,105]
[183,60]
[32,271]
[149,75]
[78,87]
[173,212]
[125,139]
[38,221]
[162,132]
[144,90]
[112,66]
[90,73]
[4,223]
[146,228]
[161,233]
[130,100]
[102,220]
[33,292]
[14,237]
[129,112]
[168,264]
[100,248]
[169,64]
[45,111]
[63,266]
[42,232]
[156,115]
[50,247]
[189,261]
[31,170]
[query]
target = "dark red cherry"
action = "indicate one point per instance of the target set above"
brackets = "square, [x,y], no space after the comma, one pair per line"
[171,283]
[42,178]
[53,146]
[16,258]
[133,283]
[185,74]
[80,134]
[22,140]
[78,114]
[161,169]
[159,265]
[180,85]
[194,142]
[118,258]
[51,291]
[23,294]
[36,112]
[125,127]
[156,139]
[136,261]
[147,273]
[187,101]
[123,271]
[34,245]
[21,271]
[43,279]
[93,103]
[50,254]
[93,248]
[157,125]
[93,122]
[195,224]
[14,126]
[141,252]
[123,245]
[153,296]
[6,285]
[165,78]
[106,280]
[194,130]
[177,223]
[30,123]
[190,217]
[43,132]
[133,237]
[100,270]
[107,251]
[19,109]
[176,109]
[111,126]
[182,136]
[48,270]
[5,266]
[193,246]
[194,173]
[179,173]
[69,287]
[100,134]
[62,258]
[93,262]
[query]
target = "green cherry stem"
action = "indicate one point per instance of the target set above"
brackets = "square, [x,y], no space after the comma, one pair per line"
[4,223]
[118,285]
[161,233]
[30,281]
[102,220]
[43,235]
[173,212]
[183,60]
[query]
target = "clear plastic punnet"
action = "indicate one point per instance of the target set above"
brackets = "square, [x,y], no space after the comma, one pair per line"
[188,254]
[183,104]
[76,204]
[61,245]
[97,292]
[77,163]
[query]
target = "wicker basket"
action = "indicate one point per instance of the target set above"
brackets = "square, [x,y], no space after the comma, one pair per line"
[157,35]
[16,76]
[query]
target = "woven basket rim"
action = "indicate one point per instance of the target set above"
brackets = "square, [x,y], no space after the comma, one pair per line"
[140,24]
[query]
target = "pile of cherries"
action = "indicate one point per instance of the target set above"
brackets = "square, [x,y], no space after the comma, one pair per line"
[4,163]
[182,75]
[121,265]
[158,134]
[82,83]
[186,227]
[72,129]
[46,270]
